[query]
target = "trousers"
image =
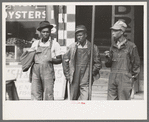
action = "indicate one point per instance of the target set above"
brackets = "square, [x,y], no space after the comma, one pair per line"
[120,86]
[42,75]
[79,86]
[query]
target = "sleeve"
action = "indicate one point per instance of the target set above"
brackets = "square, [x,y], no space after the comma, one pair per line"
[65,64]
[57,49]
[108,62]
[35,44]
[135,61]
[97,65]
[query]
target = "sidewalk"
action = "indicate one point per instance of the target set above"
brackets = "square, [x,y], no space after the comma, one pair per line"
[137,96]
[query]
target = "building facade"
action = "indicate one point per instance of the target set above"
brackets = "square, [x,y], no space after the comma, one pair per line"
[22,21]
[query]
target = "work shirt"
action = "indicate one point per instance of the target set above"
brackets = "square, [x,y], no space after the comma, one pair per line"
[124,58]
[120,43]
[69,60]
[125,66]
[85,46]
[55,49]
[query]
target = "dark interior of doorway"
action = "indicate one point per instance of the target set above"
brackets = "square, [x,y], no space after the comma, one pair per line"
[103,17]
[138,27]
[103,14]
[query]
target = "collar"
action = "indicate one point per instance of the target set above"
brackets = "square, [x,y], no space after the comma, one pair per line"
[44,44]
[85,46]
[120,45]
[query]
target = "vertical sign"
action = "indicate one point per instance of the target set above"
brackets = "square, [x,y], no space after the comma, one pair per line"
[60,82]
[126,13]
[52,17]
[66,32]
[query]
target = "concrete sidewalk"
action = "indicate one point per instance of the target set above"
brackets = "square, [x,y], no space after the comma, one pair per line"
[137,96]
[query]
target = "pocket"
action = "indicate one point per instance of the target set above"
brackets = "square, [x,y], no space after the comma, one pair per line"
[129,76]
[127,80]
[126,51]
[114,59]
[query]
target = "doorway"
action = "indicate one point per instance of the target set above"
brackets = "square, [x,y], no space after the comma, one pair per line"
[103,15]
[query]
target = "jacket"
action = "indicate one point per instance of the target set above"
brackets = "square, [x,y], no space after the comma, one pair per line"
[68,61]
[125,59]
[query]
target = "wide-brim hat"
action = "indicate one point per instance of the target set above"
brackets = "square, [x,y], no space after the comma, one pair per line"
[44,24]
[119,25]
[80,28]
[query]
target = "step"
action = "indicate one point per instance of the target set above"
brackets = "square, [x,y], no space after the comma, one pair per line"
[100,92]
[99,95]
[104,73]
[99,87]
[139,96]
[101,81]
[98,98]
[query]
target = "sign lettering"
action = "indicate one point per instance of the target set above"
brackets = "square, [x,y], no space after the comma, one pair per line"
[24,86]
[25,13]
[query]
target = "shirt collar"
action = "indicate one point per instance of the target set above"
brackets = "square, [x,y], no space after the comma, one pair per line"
[120,45]
[122,42]
[85,46]
[45,44]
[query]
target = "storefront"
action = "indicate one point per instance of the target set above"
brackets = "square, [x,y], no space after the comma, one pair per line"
[21,24]
[105,17]
[22,21]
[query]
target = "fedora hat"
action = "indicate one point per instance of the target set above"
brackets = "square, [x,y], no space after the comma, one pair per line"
[44,24]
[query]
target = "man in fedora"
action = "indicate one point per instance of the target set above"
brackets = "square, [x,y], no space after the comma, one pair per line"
[124,61]
[42,72]
[76,64]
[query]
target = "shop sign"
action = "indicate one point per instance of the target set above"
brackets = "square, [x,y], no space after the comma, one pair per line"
[25,13]
[24,86]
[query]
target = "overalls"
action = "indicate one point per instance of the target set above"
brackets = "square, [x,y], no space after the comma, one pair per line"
[42,75]
[80,83]
[120,79]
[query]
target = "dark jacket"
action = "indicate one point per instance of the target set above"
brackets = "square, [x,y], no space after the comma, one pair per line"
[69,60]
[125,59]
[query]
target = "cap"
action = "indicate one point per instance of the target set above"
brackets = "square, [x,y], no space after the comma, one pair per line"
[80,28]
[119,25]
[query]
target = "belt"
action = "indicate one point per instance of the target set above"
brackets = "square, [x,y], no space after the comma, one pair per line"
[43,62]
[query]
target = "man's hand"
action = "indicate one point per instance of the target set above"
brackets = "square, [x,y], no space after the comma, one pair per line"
[57,60]
[107,54]
[68,80]
[95,72]
[31,49]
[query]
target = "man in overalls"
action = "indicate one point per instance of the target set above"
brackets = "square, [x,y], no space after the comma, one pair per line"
[124,61]
[76,64]
[42,72]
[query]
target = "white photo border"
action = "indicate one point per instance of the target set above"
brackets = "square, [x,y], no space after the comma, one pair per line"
[72,110]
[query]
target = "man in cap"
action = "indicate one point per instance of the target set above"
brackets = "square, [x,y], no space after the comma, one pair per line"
[124,61]
[76,63]
[42,72]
